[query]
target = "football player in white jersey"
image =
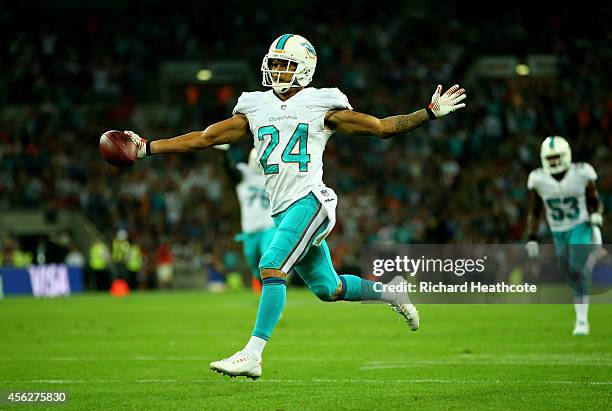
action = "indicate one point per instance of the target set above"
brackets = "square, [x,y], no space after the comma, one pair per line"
[290,125]
[568,193]
[257,226]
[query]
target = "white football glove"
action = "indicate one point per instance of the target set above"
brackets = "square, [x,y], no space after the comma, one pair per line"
[222,147]
[596,219]
[448,102]
[533,249]
[140,142]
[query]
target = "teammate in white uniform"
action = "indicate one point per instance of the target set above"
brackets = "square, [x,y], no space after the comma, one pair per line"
[290,126]
[568,193]
[257,226]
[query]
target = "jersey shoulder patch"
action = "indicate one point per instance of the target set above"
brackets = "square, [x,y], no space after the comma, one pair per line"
[248,102]
[329,98]
[535,177]
[586,171]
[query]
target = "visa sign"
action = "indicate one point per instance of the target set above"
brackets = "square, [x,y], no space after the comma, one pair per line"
[49,280]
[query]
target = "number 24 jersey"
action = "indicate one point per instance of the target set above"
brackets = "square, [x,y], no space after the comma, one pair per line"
[290,138]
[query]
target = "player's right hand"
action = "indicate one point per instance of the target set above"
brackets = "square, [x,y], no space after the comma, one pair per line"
[596,219]
[140,142]
[533,249]
[448,102]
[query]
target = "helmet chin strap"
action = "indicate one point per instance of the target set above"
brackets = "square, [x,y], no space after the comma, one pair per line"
[285,88]
[281,89]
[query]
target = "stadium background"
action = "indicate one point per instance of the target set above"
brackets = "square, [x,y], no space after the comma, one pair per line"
[71,71]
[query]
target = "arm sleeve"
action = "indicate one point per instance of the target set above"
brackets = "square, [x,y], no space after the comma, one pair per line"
[331,99]
[531,181]
[589,172]
[338,100]
[242,105]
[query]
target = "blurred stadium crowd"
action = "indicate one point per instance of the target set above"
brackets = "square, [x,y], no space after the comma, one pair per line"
[462,179]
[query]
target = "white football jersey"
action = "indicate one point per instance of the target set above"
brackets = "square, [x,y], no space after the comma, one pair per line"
[290,138]
[254,201]
[565,200]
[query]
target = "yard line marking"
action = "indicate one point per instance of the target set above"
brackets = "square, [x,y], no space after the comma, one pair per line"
[542,359]
[155,358]
[418,363]
[532,359]
[305,381]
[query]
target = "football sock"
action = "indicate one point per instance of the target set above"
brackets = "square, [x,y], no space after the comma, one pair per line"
[271,304]
[581,306]
[256,346]
[357,289]
[351,288]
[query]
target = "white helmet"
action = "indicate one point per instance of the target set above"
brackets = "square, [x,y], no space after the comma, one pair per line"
[556,155]
[254,162]
[122,235]
[291,48]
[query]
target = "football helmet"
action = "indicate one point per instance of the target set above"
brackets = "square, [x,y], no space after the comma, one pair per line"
[556,155]
[289,48]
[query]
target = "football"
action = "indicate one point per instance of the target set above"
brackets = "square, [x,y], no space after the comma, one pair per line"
[118,149]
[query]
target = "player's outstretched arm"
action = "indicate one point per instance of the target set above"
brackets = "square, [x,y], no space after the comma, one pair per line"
[594,204]
[224,132]
[534,210]
[353,123]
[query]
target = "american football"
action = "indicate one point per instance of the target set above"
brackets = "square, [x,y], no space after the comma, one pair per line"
[117,148]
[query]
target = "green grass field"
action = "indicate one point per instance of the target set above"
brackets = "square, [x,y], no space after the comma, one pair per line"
[152,351]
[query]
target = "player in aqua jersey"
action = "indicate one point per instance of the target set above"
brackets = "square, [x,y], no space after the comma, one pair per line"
[290,125]
[257,226]
[568,193]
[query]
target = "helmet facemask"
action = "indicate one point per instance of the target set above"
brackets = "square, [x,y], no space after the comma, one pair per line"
[272,77]
[553,162]
[299,60]
[556,155]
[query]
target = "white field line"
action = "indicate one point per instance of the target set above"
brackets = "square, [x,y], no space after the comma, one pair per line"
[297,381]
[543,359]
[536,359]
[170,358]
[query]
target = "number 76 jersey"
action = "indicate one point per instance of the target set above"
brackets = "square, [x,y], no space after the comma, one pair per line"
[290,138]
[565,200]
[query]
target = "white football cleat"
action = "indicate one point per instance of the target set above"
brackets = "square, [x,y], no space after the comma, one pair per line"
[581,328]
[409,312]
[242,363]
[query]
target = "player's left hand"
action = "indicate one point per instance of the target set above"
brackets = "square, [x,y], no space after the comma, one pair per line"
[596,219]
[140,142]
[448,102]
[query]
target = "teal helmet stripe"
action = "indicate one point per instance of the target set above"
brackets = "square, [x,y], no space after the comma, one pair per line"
[552,142]
[281,43]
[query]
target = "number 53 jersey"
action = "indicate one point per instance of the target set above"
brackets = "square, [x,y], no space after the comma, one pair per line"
[565,200]
[290,138]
